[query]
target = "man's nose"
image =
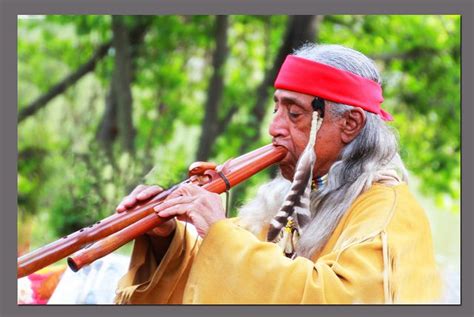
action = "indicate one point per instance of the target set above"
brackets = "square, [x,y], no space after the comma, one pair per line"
[278,127]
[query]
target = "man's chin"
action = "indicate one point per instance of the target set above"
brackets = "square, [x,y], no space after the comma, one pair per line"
[287,172]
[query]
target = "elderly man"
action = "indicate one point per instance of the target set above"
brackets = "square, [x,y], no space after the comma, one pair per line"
[350,233]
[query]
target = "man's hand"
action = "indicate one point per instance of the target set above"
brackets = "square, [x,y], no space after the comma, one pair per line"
[193,204]
[140,194]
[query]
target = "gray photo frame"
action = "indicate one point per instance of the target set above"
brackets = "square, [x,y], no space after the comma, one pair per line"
[8,144]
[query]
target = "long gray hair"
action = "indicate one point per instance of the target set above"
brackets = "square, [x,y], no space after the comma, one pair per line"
[361,162]
[371,157]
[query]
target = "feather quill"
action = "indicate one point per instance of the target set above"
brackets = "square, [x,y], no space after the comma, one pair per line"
[297,201]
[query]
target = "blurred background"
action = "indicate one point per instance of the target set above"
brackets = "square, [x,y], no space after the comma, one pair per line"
[109,102]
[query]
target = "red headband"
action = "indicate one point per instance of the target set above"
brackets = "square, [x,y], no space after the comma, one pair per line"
[320,80]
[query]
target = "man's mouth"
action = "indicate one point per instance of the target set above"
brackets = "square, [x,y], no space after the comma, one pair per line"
[287,163]
[287,154]
[275,143]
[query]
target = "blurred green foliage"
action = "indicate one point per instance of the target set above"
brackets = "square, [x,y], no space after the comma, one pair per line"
[65,181]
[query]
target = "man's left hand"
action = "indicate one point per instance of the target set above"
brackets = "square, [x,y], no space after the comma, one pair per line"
[193,204]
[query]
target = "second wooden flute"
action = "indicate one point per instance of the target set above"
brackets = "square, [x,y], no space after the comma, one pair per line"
[232,174]
[234,171]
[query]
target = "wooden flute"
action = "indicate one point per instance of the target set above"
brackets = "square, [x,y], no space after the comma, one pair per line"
[109,234]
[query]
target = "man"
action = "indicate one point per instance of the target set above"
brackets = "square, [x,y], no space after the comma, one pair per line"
[359,237]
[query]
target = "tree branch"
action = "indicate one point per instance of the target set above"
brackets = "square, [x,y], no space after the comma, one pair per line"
[414,53]
[136,35]
[64,84]
[224,122]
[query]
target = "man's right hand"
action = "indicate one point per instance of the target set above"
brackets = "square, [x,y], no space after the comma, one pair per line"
[140,194]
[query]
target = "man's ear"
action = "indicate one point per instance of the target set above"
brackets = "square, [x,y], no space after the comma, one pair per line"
[352,123]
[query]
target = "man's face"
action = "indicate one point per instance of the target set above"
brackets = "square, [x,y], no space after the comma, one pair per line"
[291,126]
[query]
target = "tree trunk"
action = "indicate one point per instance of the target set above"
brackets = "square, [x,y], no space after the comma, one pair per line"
[210,124]
[109,128]
[300,29]
[121,80]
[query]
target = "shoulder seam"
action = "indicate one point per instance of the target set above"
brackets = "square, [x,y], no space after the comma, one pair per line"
[374,234]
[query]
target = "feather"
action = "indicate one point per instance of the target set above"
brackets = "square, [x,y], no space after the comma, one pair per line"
[297,200]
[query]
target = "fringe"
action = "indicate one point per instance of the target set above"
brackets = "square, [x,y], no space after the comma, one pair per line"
[386,269]
[124,296]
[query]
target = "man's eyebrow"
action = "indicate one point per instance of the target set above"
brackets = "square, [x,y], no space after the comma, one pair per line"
[288,100]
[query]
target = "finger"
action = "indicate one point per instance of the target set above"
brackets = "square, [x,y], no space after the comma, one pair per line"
[130,199]
[149,192]
[193,189]
[120,208]
[177,210]
[179,192]
[125,204]
[186,190]
[138,189]
[168,203]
